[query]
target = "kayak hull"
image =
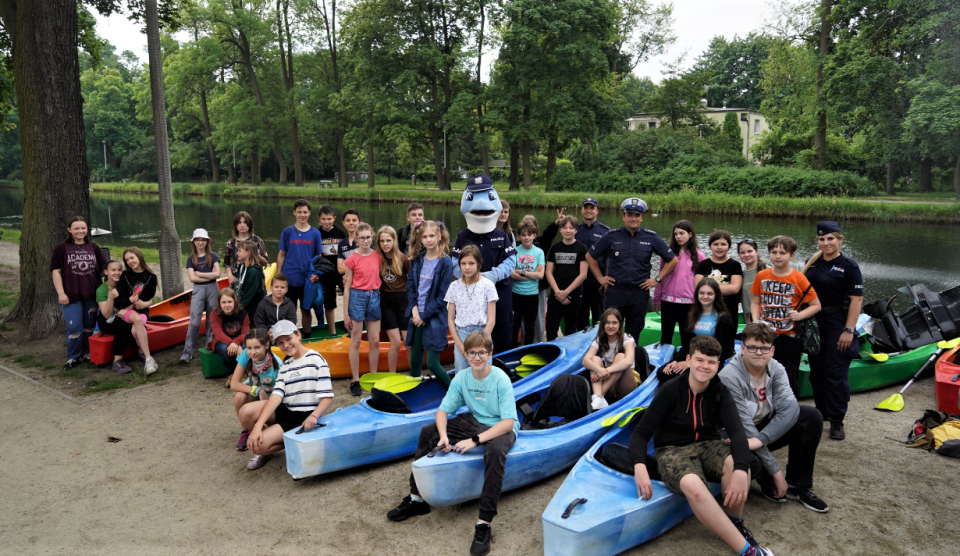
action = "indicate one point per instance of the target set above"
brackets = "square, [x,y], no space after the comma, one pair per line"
[360,434]
[868,374]
[450,478]
[614,518]
[947,388]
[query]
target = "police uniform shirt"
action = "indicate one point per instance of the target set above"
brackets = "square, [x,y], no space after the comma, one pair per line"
[629,255]
[836,280]
[588,235]
[494,249]
[345,248]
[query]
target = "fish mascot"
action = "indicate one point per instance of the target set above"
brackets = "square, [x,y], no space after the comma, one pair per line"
[481,208]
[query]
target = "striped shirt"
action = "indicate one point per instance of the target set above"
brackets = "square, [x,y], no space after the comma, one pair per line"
[303,382]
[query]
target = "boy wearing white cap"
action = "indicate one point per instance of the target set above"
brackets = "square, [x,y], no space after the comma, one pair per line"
[301,394]
[203,269]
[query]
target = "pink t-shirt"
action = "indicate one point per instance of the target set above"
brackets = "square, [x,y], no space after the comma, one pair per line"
[366,270]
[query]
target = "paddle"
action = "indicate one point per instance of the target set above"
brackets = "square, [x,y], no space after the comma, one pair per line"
[626,418]
[881,357]
[895,402]
[397,383]
[368,380]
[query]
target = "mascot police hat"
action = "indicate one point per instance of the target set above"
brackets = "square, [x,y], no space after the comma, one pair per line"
[480,204]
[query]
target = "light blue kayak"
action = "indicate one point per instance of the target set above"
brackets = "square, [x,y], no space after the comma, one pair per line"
[613,518]
[450,478]
[387,426]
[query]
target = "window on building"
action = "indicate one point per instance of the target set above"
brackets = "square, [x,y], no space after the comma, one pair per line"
[651,125]
[756,127]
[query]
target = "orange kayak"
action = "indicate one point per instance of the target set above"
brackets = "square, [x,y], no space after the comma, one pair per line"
[167,327]
[336,351]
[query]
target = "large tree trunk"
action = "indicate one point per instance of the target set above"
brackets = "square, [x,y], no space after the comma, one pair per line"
[820,137]
[891,178]
[255,85]
[56,184]
[527,166]
[286,63]
[255,168]
[514,167]
[926,175]
[956,183]
[231,174]
[551,158]
[214,163]
[371,167]
[171,278]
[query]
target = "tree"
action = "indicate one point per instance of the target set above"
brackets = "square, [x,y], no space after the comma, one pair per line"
[677,100]
[730,134]
[734,71]
[641,31]
[286,64]
[329,21]
[933,122]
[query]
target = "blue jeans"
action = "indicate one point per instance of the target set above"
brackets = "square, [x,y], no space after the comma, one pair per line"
[229,361]
[80,318]
[460,362]
[364,305]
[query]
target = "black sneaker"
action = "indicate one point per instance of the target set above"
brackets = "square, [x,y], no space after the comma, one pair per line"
[481,540]
[836,430]
[808,499]
[769,492]
[355,388]
[71,363]
[408,508]
[747,535]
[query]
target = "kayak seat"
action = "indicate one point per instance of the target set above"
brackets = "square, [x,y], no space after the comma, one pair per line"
[526,404]
[498,363]
[388,402]
[617,457]
[568,399]
[160,318]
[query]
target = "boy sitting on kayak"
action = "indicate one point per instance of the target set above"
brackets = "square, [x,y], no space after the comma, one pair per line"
[492,422]
[687,415]
[772,419]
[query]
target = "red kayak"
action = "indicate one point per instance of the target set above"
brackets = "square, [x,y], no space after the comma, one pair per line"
[947,383]
[166,327]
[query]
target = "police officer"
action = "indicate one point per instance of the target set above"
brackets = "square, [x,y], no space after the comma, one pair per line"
[589,232]
[627,283]
[498,264]
[839,286]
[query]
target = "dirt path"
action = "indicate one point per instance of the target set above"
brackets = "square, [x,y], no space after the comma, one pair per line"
[175,484]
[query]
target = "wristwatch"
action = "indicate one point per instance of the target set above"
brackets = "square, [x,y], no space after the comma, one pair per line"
[658,279]
[523,272]
[476,440]
[850,330]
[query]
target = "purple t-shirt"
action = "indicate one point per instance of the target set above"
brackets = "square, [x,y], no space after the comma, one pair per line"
[79,267]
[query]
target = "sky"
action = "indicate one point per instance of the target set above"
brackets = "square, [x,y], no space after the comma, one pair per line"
[695,23]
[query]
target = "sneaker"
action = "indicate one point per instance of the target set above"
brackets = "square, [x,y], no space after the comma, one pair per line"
[598,402]
[808,499]
[482,534]
[355,388]
[747,535]
[836,430]
[185,358]
[121,368]
[408,508]
[150,366]
[71,363]
[85,358]
[769,492]
[242,442]
[758,551]
[256,462]
[227,383]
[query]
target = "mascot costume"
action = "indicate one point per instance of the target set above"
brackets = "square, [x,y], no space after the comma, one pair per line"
[481,208]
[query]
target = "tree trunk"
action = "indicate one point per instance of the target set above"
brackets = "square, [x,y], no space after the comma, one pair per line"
[286,63]
[390,171]
[527,169]
[371,168]
[214,163]
[514,168]
[56,182]
[171,278]
[255,168]
[244,178]
[342,155]
[231,174]
[891,178]
[436,139]
[820,138]
[255,85]
[956,181]
[926,175]
[551,159]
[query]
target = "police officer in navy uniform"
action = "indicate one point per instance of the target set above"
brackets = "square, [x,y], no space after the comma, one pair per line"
[839,286]
[627,284]
[498,263]
[589,232]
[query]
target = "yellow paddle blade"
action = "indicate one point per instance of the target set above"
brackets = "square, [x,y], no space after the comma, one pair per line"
[629,417]
[533,359]
[368,380]
[881,357]
[397,383]
[524,370]
[948,344]
[613,418]
[893,403]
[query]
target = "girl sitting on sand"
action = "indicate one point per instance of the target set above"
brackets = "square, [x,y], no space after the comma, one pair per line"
[254,376]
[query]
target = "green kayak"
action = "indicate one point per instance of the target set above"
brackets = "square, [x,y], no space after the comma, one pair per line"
[868,374]
[651,330]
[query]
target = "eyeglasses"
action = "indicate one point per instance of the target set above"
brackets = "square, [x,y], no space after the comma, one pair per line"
[755,349]
[365,238]
[748,242]
[477,354]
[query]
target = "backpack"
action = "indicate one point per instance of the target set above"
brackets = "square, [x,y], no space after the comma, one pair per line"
[936,430]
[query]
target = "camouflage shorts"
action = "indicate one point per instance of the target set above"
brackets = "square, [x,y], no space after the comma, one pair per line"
[703,459]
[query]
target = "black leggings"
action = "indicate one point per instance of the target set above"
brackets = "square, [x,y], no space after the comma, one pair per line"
[121,331]
[787,352]
[524,316]
[672,315]
[557,311]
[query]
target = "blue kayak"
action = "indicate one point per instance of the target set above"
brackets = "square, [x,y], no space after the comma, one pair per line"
[613,518]
[386,426]
[450,478]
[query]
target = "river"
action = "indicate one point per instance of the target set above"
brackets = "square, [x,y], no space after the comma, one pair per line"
[889,254]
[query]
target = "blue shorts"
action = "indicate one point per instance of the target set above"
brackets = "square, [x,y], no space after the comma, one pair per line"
[364,305]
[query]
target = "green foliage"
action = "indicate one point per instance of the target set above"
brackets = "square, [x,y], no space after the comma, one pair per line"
[677,100]
[730,134]
[734,70]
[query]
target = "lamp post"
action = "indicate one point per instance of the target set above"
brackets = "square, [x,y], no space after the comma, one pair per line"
[104,155]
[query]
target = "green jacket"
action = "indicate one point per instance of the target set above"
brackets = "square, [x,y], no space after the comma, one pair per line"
[250,287]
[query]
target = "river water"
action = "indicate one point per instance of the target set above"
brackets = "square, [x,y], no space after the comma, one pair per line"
[889,254]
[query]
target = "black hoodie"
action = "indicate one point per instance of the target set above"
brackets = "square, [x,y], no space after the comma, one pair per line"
[680,418]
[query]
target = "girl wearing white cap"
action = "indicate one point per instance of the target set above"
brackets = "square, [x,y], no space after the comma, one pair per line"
[203,268]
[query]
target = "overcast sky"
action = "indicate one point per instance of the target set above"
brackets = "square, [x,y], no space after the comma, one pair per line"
[695,23]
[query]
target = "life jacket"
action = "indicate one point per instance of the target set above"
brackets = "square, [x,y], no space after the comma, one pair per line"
[938,431]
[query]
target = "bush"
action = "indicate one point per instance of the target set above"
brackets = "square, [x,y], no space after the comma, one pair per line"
[15,175]
[182,189]
[214,189]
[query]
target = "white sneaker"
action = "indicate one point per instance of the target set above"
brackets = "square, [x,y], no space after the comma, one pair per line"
[150,366]
[598,402]
[256,462]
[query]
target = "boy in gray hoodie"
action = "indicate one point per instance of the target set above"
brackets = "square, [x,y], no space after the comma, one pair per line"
[772,419]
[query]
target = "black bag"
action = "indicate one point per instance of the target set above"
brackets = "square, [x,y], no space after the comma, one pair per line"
[807,330]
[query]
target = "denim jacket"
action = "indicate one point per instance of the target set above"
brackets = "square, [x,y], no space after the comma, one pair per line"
[434,313]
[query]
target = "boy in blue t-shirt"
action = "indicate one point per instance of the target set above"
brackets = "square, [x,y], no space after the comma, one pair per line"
[492,422]
[525,281]
[299,244]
